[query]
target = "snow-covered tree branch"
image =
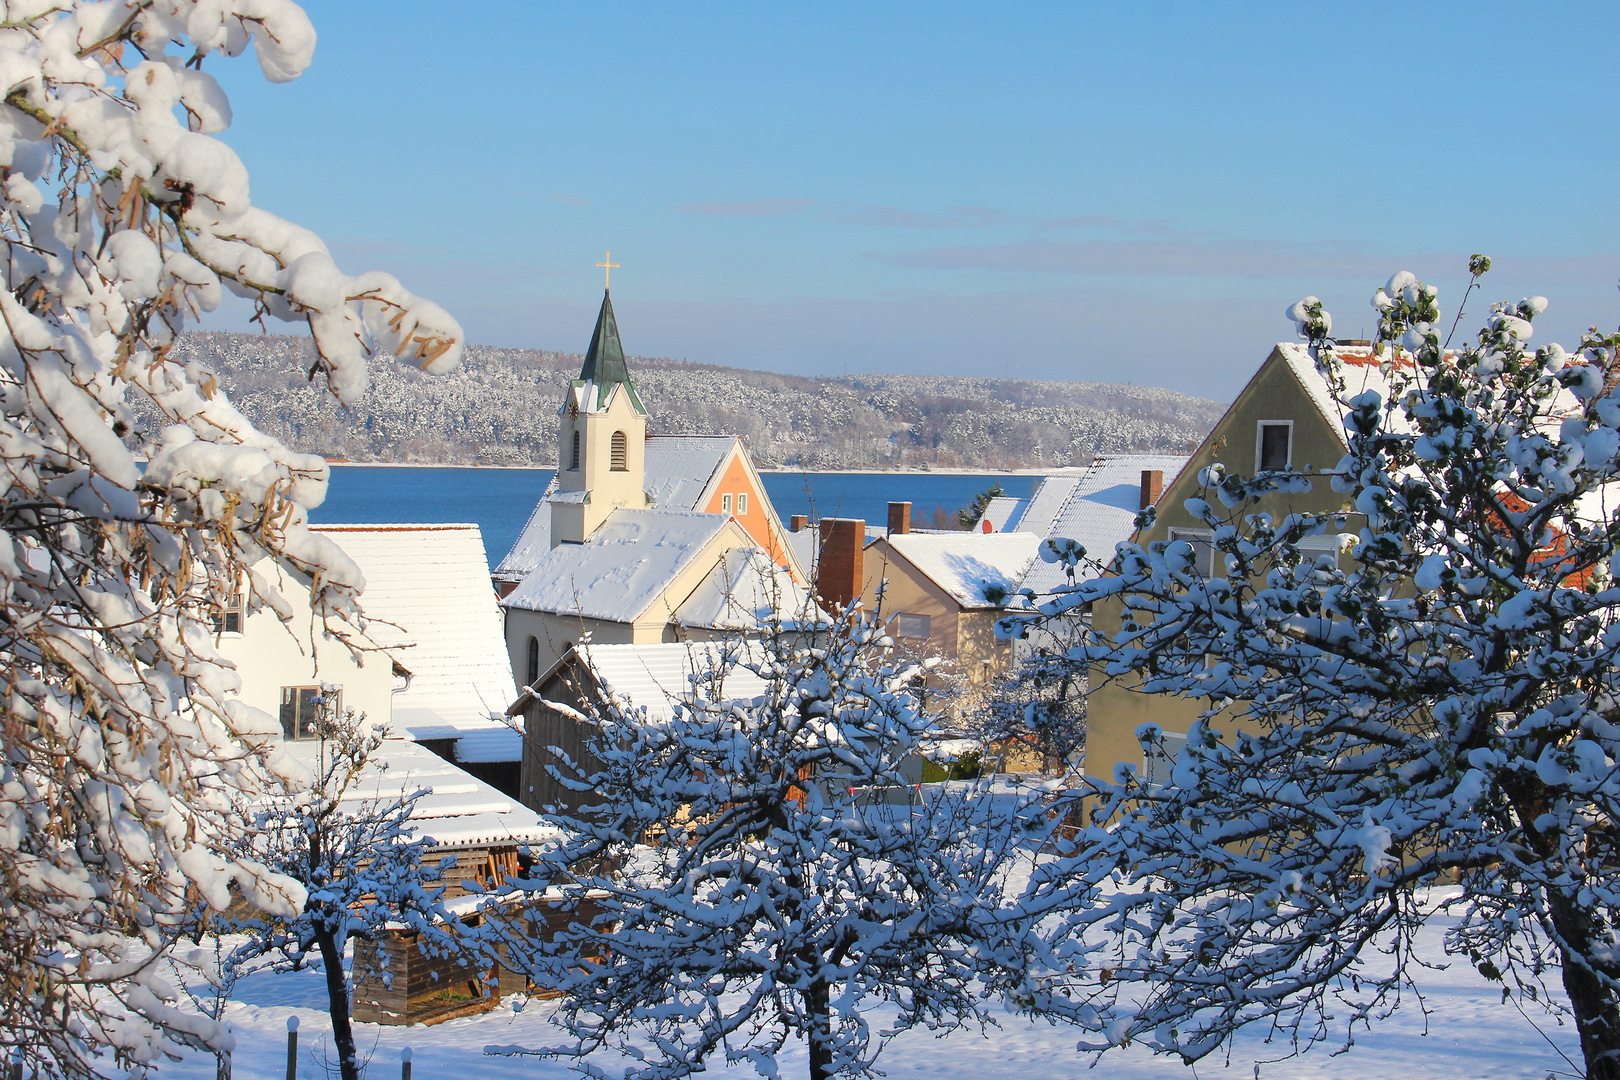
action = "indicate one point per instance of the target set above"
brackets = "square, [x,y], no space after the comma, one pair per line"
[127,760]
[1438,702]
[360,863]
[758,871]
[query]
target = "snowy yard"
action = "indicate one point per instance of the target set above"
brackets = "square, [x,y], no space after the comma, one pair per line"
[1469,1033]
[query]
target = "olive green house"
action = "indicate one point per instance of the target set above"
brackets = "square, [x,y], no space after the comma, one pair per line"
[1285,417]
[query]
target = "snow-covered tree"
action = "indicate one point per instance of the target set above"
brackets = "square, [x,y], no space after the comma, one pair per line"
[758,870]
[359,861]
[127,761]
[1437,704]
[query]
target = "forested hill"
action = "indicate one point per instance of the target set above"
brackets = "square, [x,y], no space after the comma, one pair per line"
[500,408]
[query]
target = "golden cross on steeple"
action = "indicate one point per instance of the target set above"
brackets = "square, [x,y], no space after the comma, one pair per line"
[607,270]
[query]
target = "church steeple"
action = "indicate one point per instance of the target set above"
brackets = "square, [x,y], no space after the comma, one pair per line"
[601,437]
[604,361]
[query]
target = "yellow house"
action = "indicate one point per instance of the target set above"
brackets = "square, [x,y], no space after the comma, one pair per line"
[1286,417]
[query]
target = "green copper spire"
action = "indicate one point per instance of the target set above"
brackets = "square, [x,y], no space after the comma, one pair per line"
[604,360]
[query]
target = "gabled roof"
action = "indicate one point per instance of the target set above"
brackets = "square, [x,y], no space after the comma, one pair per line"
[655,677]
[621,569]
[744,592]
[1003,513]
[965,564]
[1047,501]
[678,469]
[428,602]
[1100,513]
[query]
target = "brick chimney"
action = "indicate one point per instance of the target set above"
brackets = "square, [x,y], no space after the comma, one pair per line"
[840,572]
[899,518]
[797,522]
[1152,486]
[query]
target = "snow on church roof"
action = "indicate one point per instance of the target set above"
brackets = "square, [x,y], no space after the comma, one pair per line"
[1101,512]
[965,563]
[621,569]
[533,542]
[680,467]
[430,605]
[743,592]
[677,471]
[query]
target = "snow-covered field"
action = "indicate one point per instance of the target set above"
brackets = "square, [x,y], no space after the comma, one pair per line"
[1469,1033]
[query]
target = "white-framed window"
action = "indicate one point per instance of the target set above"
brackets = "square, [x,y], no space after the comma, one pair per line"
[231,616]
[908,625]
[742,502]
[1157,764]
[1273,445]
[301,707]
[725,504]
[1203,545]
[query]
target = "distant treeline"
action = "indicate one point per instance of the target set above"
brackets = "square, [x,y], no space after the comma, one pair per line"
[500,408]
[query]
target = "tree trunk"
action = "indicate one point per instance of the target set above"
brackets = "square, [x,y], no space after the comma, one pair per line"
[1597,1013]
[818,1003]
[337,997]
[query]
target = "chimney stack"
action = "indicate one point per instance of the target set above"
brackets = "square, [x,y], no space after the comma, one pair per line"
[899,518]
[1152,486]
[797,522]
[840,571]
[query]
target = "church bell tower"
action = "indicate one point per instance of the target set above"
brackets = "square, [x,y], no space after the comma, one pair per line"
[601,439]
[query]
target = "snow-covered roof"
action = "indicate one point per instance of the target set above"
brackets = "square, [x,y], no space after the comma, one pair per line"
[964,564]
[430,605]
[533,542]
[1003,513]
[459,810]
[655,676]
[743,592]
[678,468]
[621,569]
[1101,512]
[1050,495]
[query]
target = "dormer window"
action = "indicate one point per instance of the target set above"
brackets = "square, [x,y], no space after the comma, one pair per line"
[1274,445]
[573,461]
[619,459]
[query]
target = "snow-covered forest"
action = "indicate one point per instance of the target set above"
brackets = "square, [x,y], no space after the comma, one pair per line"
[498,408]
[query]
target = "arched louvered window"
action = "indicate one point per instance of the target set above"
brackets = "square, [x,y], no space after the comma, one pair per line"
[573,462]
[621,452]
[534,661]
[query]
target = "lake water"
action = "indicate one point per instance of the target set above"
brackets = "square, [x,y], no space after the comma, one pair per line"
[499,501]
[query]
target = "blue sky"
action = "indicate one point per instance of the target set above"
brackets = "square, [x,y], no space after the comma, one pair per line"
[1116,192]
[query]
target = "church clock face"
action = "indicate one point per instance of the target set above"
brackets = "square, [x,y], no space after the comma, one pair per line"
[573,410]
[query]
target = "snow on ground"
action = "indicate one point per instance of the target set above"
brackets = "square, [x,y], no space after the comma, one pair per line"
[1469,1033]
